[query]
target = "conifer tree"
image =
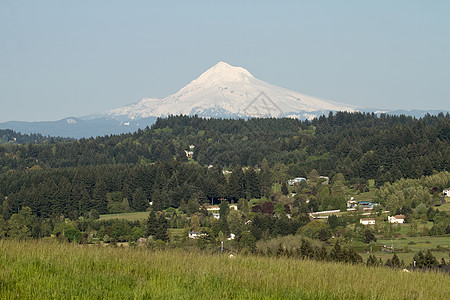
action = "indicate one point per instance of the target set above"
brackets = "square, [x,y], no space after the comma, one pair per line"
[162,232]
[152,224]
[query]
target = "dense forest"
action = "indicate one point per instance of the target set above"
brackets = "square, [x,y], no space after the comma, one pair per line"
[122,172]
[358,145]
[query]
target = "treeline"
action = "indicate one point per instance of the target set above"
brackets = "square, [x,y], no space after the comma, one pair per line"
[358,145]
[8,136]
[75,191]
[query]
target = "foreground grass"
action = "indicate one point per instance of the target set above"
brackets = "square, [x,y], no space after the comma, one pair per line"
[35,270]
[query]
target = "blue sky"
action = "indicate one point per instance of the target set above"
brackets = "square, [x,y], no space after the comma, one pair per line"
[74,58]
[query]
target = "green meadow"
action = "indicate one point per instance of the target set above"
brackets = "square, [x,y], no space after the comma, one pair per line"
[40,270]
[133,216]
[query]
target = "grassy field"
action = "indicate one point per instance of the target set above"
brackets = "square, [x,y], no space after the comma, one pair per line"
[369,196]
[414,245]
[134,216]
[36,270]
[444,207]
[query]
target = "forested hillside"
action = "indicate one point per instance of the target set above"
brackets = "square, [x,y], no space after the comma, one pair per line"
[176,169]
[357,145]
[8,136]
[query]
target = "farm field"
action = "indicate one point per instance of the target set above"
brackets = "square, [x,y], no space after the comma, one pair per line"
[33,270]
[134,216]
[414,245]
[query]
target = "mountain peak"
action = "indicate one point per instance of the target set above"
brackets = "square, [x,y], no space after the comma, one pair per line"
[228,91]
[223,72]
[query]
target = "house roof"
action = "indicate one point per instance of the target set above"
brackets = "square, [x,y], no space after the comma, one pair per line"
[367,219]
[399,216]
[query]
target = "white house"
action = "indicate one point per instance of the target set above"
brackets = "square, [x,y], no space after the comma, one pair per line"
[326,179]
[397,219]
[213,208]
[446,192]
[296,181]
[367,221]
[196,234]
[352,203]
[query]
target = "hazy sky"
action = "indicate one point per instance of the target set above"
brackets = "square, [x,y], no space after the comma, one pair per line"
[74,58]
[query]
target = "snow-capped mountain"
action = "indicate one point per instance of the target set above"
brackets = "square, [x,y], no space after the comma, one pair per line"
[223,91]
[227,91]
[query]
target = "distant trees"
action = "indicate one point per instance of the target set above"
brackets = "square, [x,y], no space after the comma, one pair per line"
[157,227]
[426,259]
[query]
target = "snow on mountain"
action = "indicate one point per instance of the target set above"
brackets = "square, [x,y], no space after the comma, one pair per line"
[227,91]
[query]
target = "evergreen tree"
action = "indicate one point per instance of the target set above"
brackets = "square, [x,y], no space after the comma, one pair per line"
[369,236]
[324,234]
[223,212]
[306,250]
[99,201]
[395,262]
[284,189]
[162,232]
[140,202]
[252,184]
[336,253]
[152,224]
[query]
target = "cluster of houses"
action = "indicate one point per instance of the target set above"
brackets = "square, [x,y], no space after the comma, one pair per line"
[397,219]
[365,205]
[214,209]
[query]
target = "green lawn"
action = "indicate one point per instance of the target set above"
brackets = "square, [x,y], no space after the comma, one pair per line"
[369,196]
[134,216]
[176,231]
[444,207]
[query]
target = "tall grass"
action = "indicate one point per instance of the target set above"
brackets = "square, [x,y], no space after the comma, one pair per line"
[36,270]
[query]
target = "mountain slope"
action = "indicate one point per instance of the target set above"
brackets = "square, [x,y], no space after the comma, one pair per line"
[227,91]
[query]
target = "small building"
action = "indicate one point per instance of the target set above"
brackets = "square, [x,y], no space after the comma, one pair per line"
[366,205]
[397,219]
[213,208]
[446,192]
[325,179]
[296,181]
[231,237]
[352,203]
[196,234]
[191,147]
[233,206]
[189,153]
[367,221]
[216,216]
